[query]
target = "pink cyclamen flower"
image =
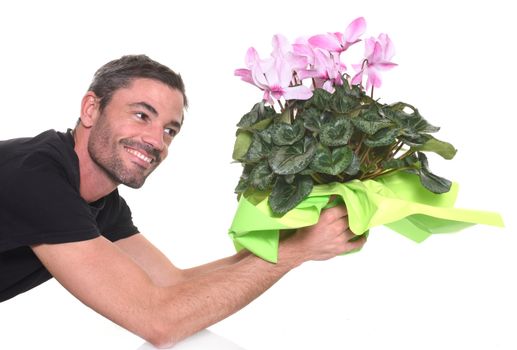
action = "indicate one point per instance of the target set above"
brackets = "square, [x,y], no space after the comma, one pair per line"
[276,83]
[378,55]
[252,58]
[283,50]
[328,70]
[339,42]
[322,66]
[273,76]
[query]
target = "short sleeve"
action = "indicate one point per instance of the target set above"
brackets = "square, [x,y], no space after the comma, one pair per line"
[115,219]
[39,204]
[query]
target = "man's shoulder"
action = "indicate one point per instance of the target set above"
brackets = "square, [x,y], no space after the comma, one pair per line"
[51,151]
[46,141]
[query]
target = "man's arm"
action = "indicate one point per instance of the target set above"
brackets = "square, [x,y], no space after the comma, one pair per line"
[161,270]
[109,281]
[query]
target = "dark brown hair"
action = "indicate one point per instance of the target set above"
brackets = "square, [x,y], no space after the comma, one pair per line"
[121,72]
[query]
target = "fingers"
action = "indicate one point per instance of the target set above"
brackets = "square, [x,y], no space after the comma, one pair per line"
[332,214]
[355,242]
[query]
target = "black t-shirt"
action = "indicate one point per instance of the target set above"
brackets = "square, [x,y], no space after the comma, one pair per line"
[40,203]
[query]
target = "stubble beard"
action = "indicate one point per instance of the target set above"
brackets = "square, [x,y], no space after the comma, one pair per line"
[105,153]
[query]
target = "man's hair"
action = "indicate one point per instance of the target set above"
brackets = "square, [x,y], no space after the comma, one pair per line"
[121,72]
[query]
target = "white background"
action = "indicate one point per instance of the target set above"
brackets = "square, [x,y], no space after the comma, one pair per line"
[456,64]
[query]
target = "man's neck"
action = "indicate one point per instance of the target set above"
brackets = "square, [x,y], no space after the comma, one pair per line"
[94,182]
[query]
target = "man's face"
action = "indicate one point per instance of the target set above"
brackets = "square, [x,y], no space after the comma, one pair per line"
[131,136]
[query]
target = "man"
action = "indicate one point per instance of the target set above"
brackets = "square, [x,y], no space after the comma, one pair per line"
[61,215]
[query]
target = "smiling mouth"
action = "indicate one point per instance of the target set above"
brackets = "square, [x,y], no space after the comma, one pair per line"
[139,155]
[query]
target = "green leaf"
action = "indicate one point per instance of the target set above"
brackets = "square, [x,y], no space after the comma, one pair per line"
[261,177]
[370,127]
[342,101]
[292,159]
[306,171]
[393,164]
[331,162]
[312,119]
[336,132]
[242,144]
[444,149]
[413,140]
[284,117]
[353,91]
[258,150]
[354,167]
[320,99]
[413,122]
[289,178]
[265,135]
[382,138]
[432,182]
[372,113]
[243,184]
[286,196]
[286,134]
[258,118]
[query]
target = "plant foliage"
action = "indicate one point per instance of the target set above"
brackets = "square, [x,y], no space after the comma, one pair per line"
[339,137]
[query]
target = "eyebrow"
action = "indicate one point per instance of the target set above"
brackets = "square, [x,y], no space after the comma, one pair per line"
[145,105]
[153,110]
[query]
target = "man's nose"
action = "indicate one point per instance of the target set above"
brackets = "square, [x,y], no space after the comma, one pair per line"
[154,136]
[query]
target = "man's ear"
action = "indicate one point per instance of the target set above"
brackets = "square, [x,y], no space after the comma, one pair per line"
[89,109]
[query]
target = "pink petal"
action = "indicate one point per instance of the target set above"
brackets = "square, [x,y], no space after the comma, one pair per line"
[245,75]
[358,78]
[322,61]
[385,65]
[325,41]
[340,38]
[299,92]
[328,86]
[252,57]
[358,67]
[389,48]
[267,97]
[284,72]
[304,50]
[306,73]
[369,46]
[281,45]
[373,79]
[355,29]
[259,78]
[376,55]
[298,62]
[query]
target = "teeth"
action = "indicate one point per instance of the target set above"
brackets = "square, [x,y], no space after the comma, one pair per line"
[139,155]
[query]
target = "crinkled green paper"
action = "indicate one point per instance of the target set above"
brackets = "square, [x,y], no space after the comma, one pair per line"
[398,201]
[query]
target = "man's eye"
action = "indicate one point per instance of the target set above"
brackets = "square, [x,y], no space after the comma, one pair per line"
[170,131]
[141,115]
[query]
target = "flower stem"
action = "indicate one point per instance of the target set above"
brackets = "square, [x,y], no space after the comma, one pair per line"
[360,143]
[382,173]
[317,179]
[282,109]
[407,154]
[397,149]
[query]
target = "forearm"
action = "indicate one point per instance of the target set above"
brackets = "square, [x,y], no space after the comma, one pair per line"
[108,281]
[196,271]
[208,298]
[160,269]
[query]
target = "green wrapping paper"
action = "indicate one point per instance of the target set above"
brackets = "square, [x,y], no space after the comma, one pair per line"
[398,201]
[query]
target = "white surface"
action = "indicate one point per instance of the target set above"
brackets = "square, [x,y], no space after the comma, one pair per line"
[456,64]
